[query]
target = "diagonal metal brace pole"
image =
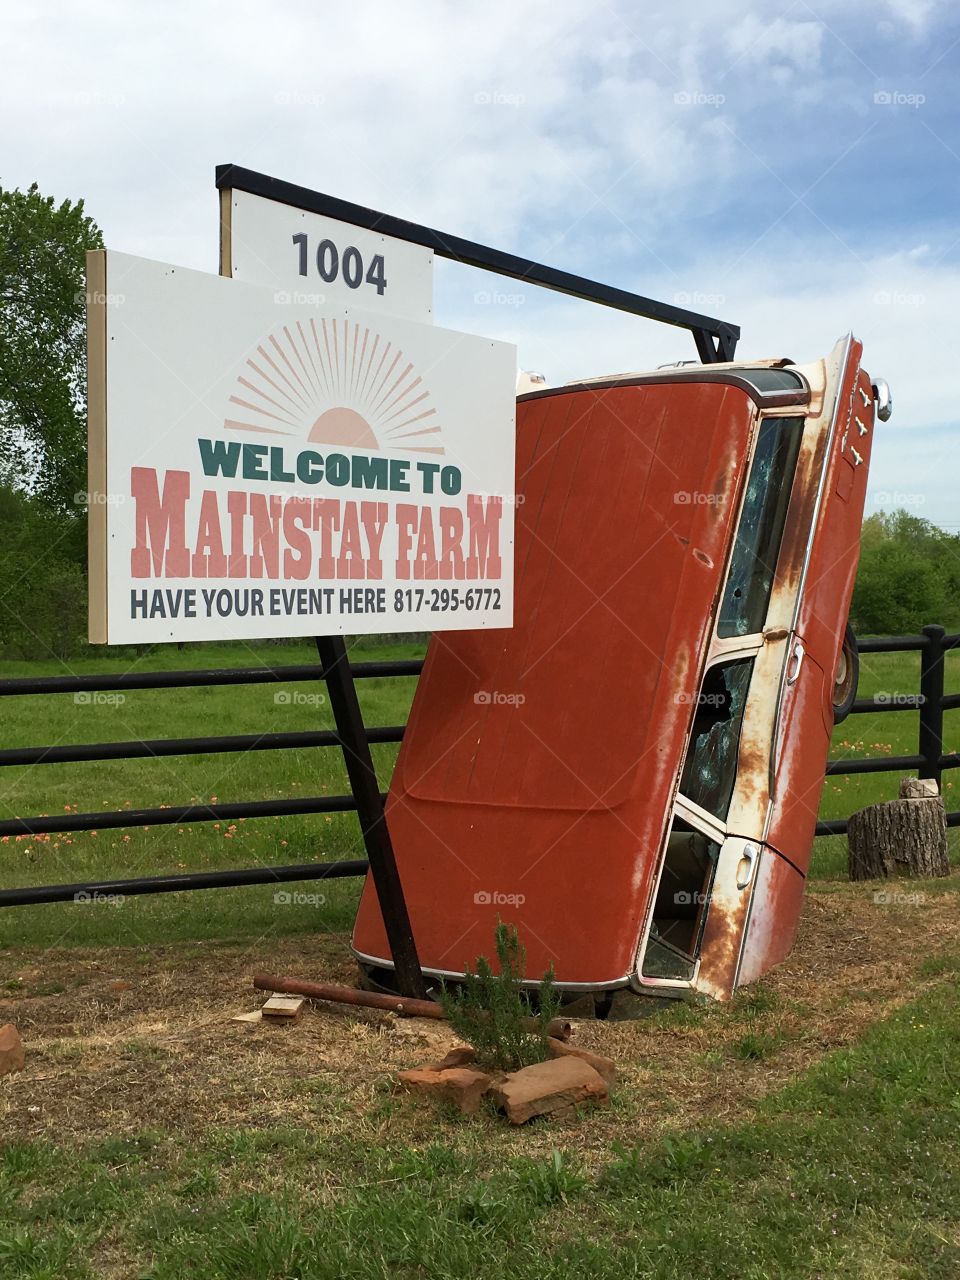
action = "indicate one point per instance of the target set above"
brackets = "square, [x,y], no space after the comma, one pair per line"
[373,825]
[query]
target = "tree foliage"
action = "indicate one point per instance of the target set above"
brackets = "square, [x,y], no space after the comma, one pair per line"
[909,575]
[43,590]
[43,344]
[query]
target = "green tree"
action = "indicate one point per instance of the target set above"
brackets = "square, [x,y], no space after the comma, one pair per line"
[42,582]
[909,575]
[43,345]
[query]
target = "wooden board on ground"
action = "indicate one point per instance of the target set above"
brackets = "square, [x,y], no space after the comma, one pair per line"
[281,1006]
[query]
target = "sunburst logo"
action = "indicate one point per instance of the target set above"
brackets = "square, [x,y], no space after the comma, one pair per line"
[335,382]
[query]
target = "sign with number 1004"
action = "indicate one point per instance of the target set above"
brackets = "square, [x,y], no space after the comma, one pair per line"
[331,264]
[310,259]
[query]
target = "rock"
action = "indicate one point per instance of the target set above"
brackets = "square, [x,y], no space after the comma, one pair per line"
[12,1057]
[463,1086]
[604,1067]
[546,1088]
[461,1055]
[918,788]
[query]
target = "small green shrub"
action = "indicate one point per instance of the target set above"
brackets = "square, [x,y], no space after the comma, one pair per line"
[491,1010]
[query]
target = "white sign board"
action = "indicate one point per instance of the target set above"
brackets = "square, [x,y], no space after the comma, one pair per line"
[261,470]
[314,260]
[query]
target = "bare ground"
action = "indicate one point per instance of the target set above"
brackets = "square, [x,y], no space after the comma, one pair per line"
[124,1039]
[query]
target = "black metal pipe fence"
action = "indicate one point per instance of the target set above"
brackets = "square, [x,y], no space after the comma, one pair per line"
[95,684]
[931,702]
[930,761]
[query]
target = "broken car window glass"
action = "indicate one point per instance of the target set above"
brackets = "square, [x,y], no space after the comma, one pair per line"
[711,766]
[681,906]
[754,561]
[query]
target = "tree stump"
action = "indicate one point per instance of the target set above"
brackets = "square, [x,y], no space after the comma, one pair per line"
[905,837]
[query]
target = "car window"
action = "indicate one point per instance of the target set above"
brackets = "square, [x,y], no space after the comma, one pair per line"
[746,594]
[680,910]
[710,770]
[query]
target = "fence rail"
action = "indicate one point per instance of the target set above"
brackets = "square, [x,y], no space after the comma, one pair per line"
[43,824]
[930,761]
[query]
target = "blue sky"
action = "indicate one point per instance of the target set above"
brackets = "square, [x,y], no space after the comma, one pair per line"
[791,167]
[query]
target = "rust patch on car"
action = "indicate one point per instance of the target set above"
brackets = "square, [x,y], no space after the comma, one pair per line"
[720,951]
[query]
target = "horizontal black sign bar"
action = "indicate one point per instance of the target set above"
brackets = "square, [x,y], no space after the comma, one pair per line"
[234,177]
[91,890]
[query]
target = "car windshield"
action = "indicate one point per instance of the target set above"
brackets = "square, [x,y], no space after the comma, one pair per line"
[752,566]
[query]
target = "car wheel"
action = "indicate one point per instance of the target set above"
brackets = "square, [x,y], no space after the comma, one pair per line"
[846,677]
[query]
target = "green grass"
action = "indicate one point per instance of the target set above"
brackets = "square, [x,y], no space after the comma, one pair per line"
[251,911]
[255,775]
[853,1170]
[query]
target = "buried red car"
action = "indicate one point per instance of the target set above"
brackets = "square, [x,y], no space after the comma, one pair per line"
[632,774]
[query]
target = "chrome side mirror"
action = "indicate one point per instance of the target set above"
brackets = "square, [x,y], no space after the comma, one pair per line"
[881,393]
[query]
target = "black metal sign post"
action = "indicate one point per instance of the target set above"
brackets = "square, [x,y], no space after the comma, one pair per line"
[716,340]
[373,824]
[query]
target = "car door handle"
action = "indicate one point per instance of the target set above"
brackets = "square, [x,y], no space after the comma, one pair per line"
[796,662]
[747,866]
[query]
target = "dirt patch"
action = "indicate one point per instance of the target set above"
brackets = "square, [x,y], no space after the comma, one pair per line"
[123,1039]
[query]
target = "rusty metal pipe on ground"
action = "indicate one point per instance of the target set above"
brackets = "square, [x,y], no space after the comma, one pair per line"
[404,1005]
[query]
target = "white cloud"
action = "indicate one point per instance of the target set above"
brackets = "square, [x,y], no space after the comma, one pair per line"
[584,136]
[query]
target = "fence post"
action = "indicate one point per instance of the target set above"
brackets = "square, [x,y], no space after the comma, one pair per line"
[931,708]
